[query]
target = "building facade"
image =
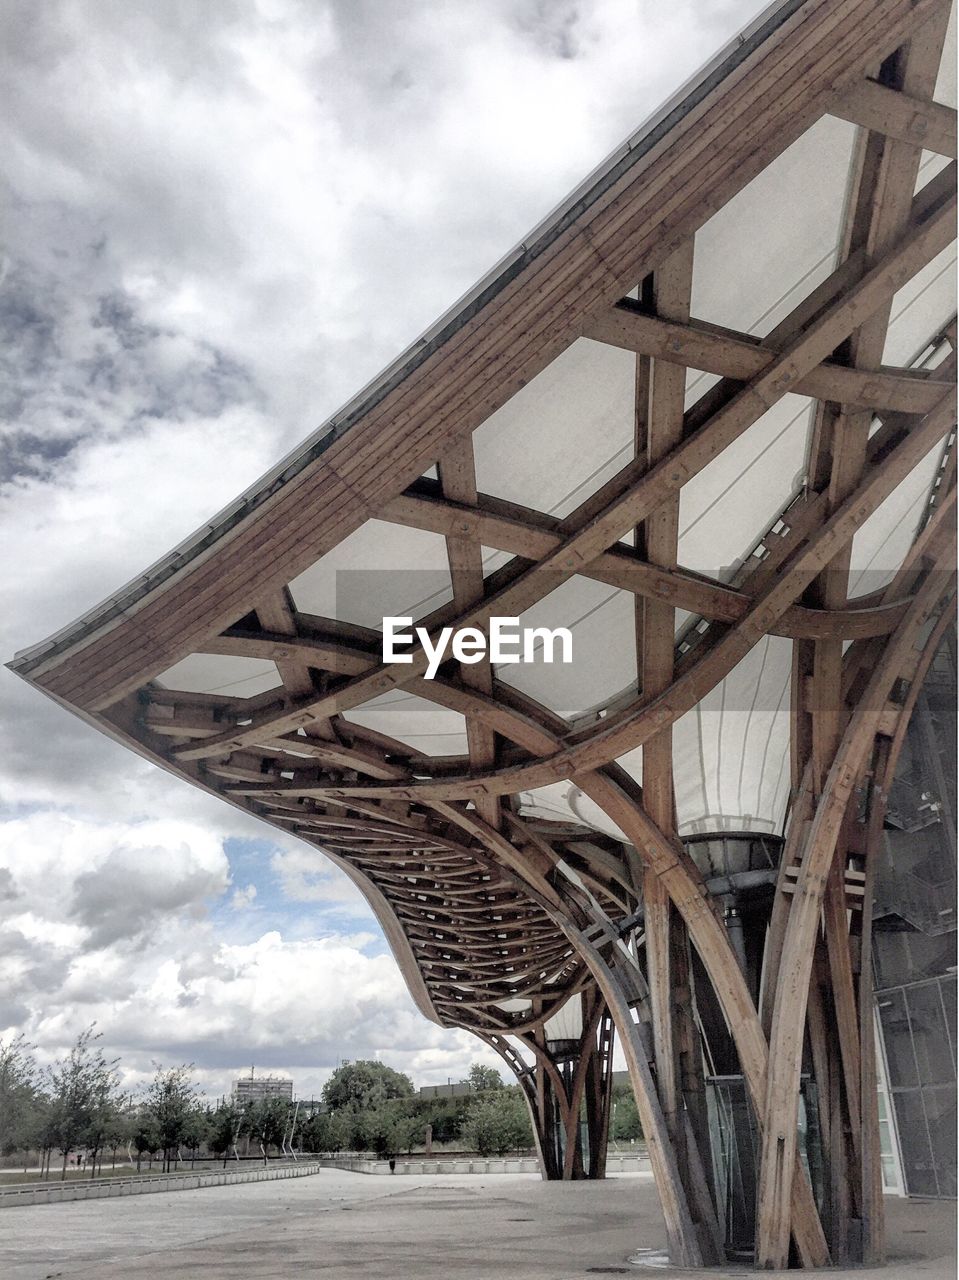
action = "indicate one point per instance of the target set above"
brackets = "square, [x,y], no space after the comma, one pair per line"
[253,1088]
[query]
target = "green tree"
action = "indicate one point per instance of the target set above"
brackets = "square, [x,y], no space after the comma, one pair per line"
[224,1127]
[315,1132]
[328,1131]
[388,1129]
[196,1130]
[365,1086]
[481,1079]
[119,1131]
[342,1130]
[144,1137]
[21,1098]
[497,1121]
[445,1116]
[171,1100]
[83,1085]
[625,1122]
[266,1122]
[105,1116]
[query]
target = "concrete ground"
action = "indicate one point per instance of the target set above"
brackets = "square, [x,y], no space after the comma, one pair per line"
[350,1225]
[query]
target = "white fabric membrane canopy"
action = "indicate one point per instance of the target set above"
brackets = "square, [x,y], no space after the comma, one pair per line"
[572,428]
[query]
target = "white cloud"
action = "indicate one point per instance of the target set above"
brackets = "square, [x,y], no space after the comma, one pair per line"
[118,924]
[113,882]
[307,876]
[243,898]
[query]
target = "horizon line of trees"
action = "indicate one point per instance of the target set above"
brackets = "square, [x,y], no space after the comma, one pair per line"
[77,1105]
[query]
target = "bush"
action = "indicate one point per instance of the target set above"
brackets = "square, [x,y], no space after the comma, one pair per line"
[497,1122]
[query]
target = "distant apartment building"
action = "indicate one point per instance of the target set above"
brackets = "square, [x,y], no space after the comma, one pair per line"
[462,1089]
[254,1088]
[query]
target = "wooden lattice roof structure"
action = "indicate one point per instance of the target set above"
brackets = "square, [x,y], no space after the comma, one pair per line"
[704,415]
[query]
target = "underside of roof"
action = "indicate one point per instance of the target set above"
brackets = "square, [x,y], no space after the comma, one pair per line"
[628,430]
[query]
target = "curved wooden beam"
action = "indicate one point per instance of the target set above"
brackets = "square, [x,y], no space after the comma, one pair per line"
[626,571]
[789,1005]
[672,865]
[617,735]
[739,356]
[684,884]
[643,494]
[683,1246]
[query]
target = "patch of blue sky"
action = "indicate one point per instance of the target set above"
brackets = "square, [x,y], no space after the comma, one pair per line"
[315,900]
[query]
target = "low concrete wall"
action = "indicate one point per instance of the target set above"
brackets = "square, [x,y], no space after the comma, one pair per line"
[471,1164]
[354,1165]
[628,1164]
[99,1188]
[416,1164]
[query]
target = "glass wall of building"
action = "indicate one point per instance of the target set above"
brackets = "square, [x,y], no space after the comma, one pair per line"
[915,941]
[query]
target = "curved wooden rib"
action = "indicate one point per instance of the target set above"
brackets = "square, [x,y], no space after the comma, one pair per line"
[616,736]
[619,568]
[432,886]
[670,863]
[789,1004]
[640,496]
[684,1247]
[740,357]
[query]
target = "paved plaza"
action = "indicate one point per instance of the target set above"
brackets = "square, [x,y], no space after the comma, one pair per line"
[348,1225]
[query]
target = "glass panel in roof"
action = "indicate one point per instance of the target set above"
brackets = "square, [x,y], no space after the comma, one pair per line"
[880,546]
[731,503]
[945,90]
[731,752]
[921,309]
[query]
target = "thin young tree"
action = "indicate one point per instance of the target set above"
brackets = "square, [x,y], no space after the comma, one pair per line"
[21,1096]
[224,1129]
[81,1084]
[266,1122]
[119,1131]
[196,1130]
[144,1137]
[171,1100]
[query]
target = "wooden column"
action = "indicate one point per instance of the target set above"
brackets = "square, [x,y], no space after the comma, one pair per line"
[789,1006]
[885,170]
[660,406]
[457,473]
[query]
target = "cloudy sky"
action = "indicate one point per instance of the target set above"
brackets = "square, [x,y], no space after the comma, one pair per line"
[221,220]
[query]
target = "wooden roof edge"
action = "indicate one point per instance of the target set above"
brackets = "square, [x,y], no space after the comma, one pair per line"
[111,611]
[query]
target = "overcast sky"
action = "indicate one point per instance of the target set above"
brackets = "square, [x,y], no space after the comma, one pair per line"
[221,220]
